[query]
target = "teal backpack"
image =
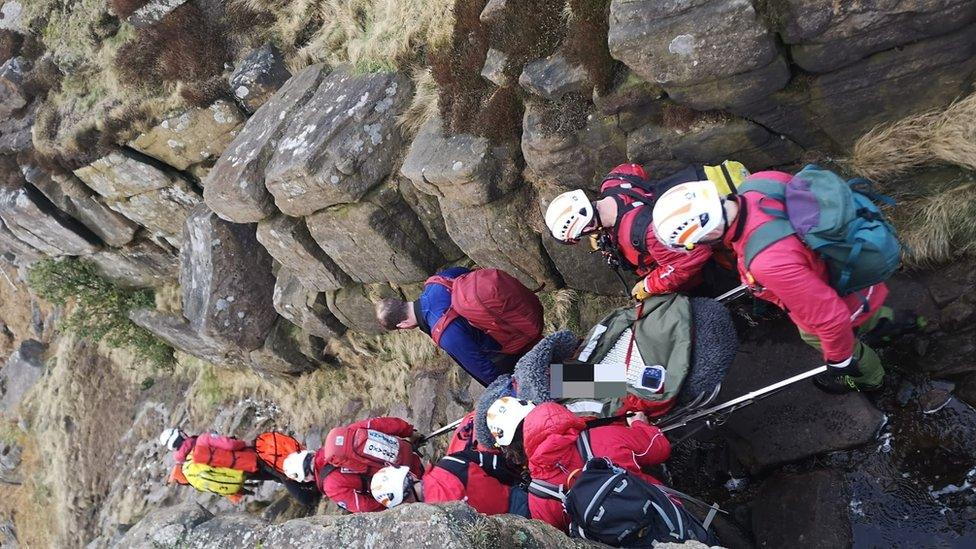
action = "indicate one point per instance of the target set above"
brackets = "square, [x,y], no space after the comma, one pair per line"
[835,218]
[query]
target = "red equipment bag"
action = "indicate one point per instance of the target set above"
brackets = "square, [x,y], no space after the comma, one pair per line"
[495,302]
[273,447]
[361,450]
[243,460]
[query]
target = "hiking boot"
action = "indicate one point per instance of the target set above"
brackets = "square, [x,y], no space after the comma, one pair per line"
[830,382]
[903,322]
[839,380]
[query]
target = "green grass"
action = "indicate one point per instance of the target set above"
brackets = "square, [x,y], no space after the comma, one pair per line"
[100,307]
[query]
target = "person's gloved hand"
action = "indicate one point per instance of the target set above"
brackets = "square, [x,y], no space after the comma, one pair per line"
[640,291]
[638,416]
[415,437]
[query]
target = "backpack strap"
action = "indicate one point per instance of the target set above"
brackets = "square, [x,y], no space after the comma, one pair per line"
[329,468]
[773,230]
[449,316]
[633,180]
[547,490]
[765,236]
[767,187]
[638,229]
[457,465]
[728,177]
[583,445]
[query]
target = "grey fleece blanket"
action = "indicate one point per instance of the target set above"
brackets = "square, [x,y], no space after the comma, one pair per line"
[714,349]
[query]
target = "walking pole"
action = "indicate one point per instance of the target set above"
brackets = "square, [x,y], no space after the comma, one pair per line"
[733,294]
[449,427]
[740,402]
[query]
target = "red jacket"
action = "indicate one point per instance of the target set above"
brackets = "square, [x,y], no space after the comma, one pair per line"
[453,481]
[351,490]
[791,276]
[457,477]
[550,432]
[213,440]
[664,270]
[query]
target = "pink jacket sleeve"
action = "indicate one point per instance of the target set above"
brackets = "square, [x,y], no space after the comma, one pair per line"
[221,442]
[656,446]
[676,269]
[812,304]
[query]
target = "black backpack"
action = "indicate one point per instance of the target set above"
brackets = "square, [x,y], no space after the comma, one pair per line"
[612,505]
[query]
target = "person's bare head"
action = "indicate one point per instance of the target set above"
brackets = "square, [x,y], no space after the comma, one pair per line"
[395,314]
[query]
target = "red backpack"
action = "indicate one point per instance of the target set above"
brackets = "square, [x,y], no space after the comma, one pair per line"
[361,450]
[242,460]
[495,302]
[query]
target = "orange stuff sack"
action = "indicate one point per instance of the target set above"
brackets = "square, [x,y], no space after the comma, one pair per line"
[273,447]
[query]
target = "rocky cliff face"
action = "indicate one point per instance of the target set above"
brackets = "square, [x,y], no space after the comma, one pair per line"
[284,196]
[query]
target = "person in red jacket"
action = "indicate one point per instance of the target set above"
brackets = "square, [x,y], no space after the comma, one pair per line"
[543,437]
[346,481]
[787,273]
[182,446]
[571,216]
[483,480]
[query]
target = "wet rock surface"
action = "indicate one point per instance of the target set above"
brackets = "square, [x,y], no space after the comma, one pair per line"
[824,37]
[799,422]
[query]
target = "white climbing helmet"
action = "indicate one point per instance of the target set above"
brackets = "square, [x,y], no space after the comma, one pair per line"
[686,213]
[171,438]
[295,467]
[390,485]
[504,417]
[568,215]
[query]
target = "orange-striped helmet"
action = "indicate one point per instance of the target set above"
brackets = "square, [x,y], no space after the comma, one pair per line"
[568,215]
[686,213]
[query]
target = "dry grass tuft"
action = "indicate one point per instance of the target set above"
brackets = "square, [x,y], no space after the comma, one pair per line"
[371,35]
[932,137]
[424,104]
[894,149]
[954,138]
[939,228]
[377,371]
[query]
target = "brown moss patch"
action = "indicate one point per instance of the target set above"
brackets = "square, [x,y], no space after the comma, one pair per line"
[586,41]
[185,46]
[9,44]
[457,68]
[125,8]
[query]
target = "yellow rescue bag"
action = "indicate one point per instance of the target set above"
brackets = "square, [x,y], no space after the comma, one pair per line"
[215,480]
[727,176]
